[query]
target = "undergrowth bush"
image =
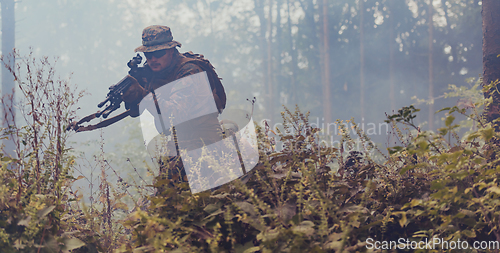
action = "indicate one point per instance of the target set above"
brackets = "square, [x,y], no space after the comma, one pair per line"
[434,185]
[303,198]
[35,182]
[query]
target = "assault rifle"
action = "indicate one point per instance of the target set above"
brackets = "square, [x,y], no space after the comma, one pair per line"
[114,97]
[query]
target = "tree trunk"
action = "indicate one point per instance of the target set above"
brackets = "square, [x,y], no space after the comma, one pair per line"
[8,44]
[278,56]
[270,87]
[293,54]
[391,56]
[431,73]
[362,59]
[326,66]
[312,32]
[259,10]
[491,49]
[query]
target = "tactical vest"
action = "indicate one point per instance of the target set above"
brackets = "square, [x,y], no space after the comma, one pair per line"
[205,65]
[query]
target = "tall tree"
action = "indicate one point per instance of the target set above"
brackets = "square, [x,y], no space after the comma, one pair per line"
[259,10]
[326,66]
[270,86]
[491,50]
[391,56]
[293,55]
[430,22]
[362,58]
[308,44]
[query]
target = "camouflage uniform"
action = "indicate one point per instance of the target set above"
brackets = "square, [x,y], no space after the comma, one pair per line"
[158,38]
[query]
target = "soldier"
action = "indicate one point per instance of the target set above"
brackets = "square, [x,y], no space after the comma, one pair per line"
[164,64]
[169,84]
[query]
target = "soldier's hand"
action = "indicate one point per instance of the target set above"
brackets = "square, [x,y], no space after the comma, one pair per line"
[134,93]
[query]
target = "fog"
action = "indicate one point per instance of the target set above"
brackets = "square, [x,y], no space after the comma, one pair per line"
[93,40]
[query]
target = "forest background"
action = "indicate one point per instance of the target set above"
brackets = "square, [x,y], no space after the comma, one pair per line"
[336,59]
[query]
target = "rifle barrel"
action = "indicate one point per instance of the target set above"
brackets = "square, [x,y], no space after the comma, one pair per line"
[103,102]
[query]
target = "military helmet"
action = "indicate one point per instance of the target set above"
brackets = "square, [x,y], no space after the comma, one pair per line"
[157,37]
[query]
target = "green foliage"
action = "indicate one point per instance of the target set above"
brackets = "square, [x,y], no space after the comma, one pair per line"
[280,208]
[295,202]
[306,197]
[35,192]
[461,179]
[292,202]
[405,114]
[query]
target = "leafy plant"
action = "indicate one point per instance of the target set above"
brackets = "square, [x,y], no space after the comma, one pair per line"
[306,197]
[295,201]
[35,184]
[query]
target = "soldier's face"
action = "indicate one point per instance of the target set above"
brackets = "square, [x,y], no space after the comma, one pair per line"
[159,63]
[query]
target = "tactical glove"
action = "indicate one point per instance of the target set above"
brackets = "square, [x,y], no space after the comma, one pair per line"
[134,92]
[133,96]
